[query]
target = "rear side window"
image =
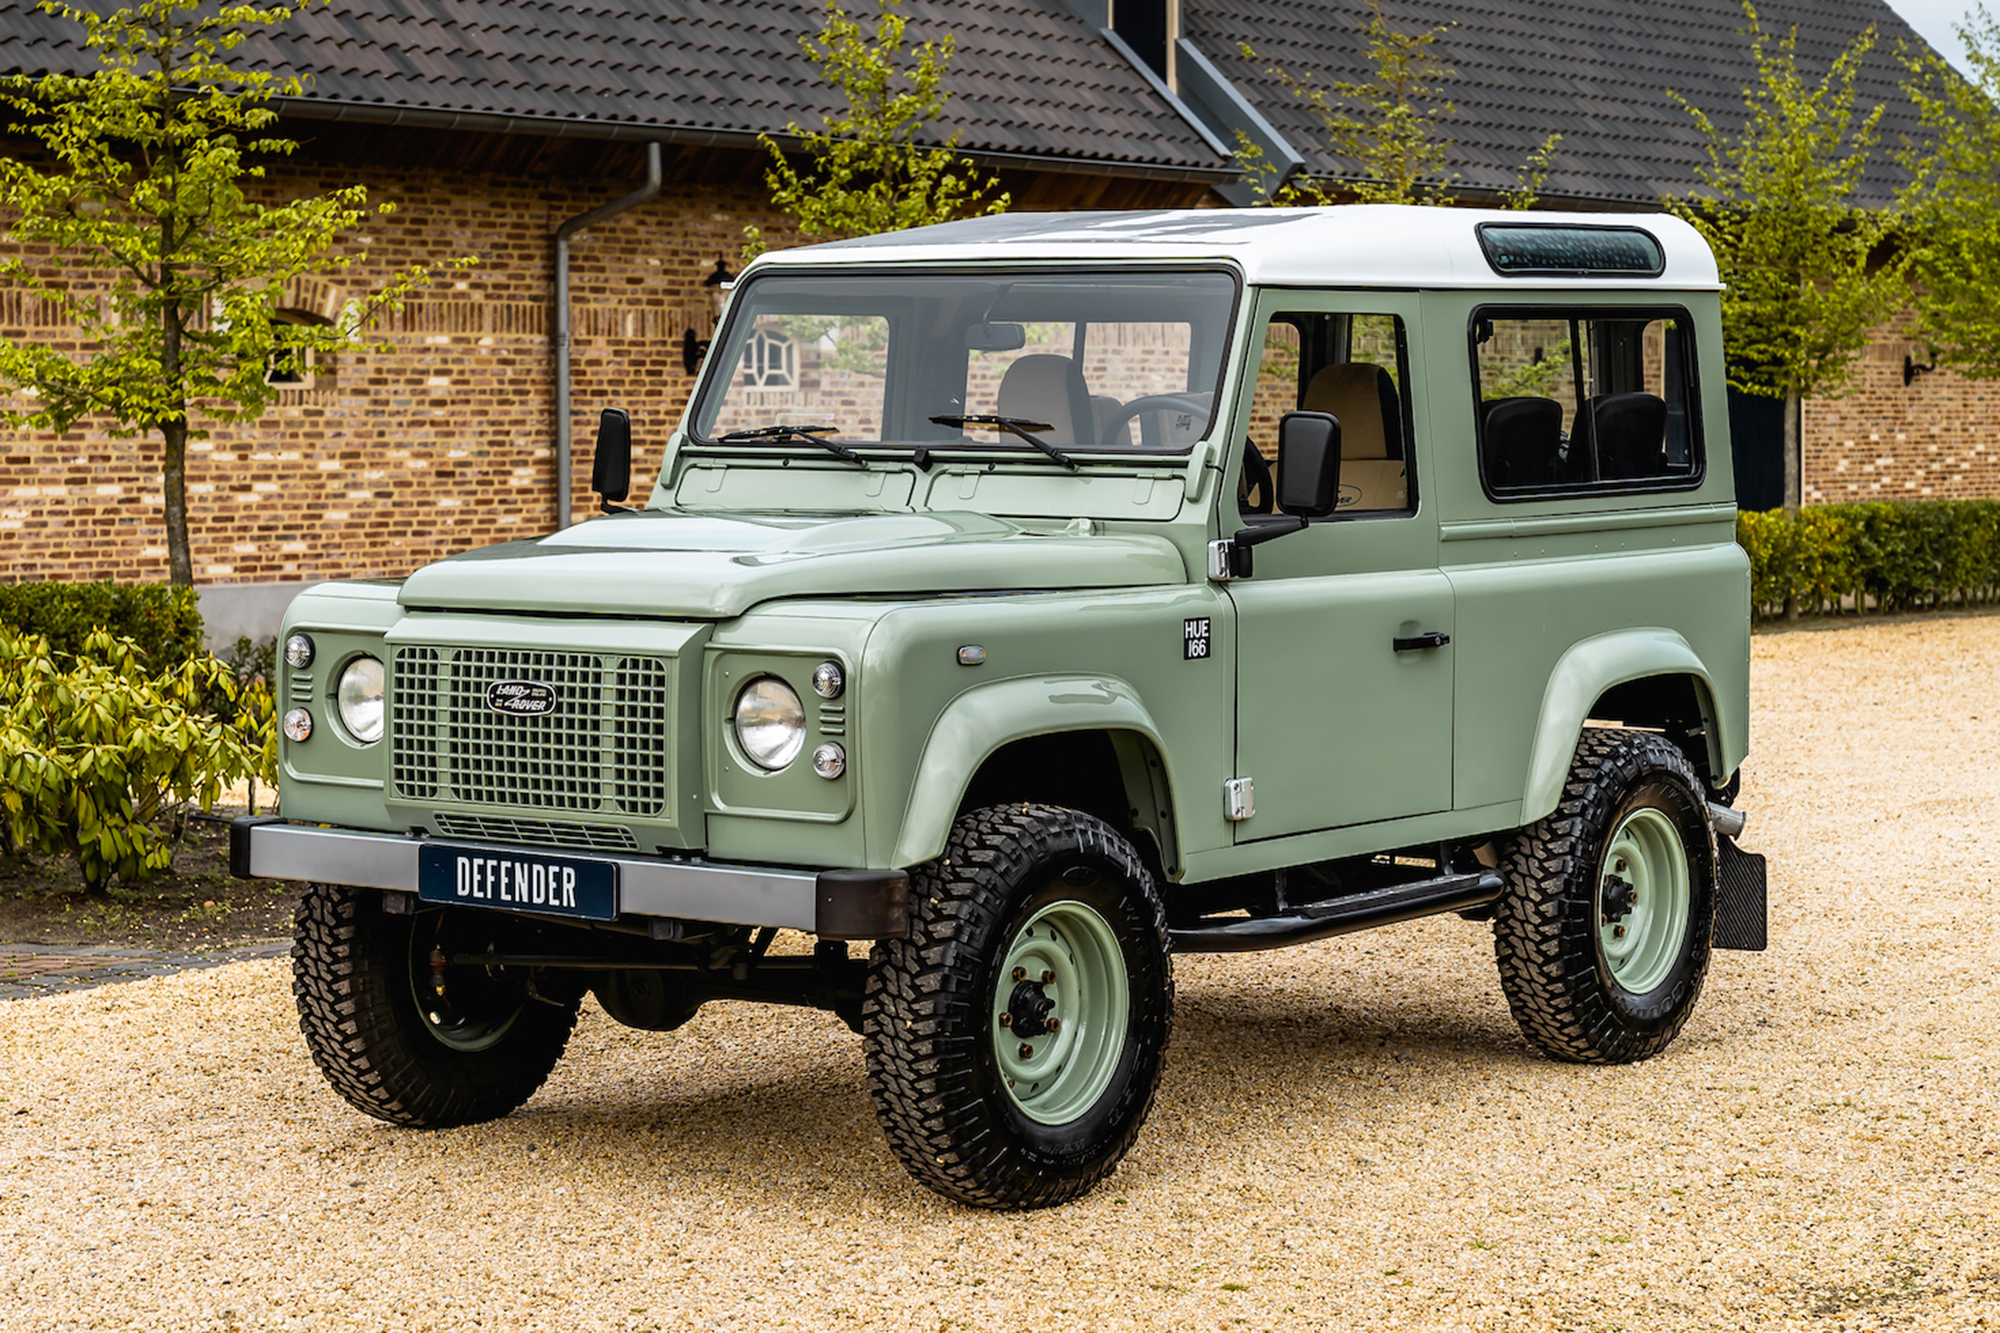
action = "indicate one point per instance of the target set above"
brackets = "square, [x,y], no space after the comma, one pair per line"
[1585,401]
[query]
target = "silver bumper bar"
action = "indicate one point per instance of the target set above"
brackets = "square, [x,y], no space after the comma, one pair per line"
[836,904]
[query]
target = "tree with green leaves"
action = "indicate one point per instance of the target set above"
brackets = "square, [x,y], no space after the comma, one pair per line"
[1798,255]
[867,171]
[169,269]
[1386,124]
[1951,207]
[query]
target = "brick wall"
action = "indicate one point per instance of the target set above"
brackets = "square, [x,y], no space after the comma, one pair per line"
[1939,437]
[445,442]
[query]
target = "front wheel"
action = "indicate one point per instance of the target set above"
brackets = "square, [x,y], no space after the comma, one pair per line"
[403,1032]
[1603,932]
[1014,1041]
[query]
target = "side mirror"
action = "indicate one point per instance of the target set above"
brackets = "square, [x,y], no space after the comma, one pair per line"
[611,463]
[1308,464]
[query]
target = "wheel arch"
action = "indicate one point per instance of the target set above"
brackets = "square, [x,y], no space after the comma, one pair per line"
[1642,677]
[991,733]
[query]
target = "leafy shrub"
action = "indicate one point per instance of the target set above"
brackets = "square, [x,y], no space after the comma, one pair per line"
[96,749]
[1895,556]
[163,621]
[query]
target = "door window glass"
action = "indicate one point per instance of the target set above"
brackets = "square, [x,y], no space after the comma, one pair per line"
[1354,366]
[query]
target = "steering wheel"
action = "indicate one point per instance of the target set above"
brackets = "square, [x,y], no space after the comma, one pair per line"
[1155,402]
[1256,476]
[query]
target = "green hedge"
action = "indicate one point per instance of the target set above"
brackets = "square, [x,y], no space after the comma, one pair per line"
[1915,555]
[164,621]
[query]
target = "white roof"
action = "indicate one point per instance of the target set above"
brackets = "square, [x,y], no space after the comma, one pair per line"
[1351,245]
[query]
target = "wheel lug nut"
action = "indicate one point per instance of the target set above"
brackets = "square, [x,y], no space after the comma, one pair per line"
[1027,1051]
[1618,932]
[1019,974]
[1047,976]
[1055,1026]
[1006,1020]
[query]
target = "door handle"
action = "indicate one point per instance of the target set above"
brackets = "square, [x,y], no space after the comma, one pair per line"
[1421,642]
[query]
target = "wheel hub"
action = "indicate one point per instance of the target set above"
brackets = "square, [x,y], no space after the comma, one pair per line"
[1028,1010]
[1617,898]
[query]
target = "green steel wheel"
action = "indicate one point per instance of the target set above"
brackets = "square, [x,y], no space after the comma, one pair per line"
[402,1034]
[1014,1040]
[1643,900]
[1602,935]
[1060,1012]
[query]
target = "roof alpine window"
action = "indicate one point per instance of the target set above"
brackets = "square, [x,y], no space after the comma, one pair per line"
[1558,250]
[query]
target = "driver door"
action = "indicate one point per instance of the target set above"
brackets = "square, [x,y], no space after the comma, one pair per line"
[1344,706]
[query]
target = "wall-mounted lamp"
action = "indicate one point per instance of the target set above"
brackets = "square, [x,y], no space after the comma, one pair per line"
[717,287]
[1910,369]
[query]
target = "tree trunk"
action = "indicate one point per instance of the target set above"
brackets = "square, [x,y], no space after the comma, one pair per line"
[180,564]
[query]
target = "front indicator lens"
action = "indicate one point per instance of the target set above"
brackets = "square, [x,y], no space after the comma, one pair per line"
[298,724]
[360,698]
[829,761]
[770,723]
[299,651]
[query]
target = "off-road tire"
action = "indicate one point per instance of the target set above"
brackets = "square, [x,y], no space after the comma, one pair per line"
[933,1071]
[1545,926]
[351,976]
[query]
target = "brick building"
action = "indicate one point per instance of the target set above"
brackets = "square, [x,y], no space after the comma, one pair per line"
[489,125]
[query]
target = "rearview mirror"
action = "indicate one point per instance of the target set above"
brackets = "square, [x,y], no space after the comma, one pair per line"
[995,337]
[611,463]
[1308,463]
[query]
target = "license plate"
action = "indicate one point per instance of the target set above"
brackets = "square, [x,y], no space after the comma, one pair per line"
[520,881]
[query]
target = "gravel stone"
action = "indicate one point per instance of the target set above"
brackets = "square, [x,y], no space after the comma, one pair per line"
[1350,1135]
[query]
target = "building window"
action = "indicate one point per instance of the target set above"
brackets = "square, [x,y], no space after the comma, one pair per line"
[770,360]
[290,367]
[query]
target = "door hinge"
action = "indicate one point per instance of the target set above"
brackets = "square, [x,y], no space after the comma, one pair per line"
[1239,799]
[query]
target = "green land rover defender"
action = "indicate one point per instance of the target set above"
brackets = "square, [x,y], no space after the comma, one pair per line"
[1030,600]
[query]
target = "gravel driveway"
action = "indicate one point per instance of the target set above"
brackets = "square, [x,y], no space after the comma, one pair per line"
[1351,1135]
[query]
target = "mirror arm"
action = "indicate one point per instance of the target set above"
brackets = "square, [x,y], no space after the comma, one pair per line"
[1231,558]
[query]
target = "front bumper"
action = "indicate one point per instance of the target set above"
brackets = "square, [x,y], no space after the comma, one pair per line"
[833,904]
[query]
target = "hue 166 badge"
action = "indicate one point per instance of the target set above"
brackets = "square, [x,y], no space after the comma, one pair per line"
[1194,638]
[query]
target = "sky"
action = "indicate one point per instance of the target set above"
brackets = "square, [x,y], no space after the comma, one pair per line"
[1933,20]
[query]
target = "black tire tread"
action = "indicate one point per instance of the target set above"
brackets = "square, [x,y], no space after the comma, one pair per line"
[917,1061]
[362,1040]
[1547,964]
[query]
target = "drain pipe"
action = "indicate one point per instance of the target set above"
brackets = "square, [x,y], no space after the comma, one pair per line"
[563,233]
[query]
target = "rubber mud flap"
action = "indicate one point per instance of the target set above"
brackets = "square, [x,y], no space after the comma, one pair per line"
[1741,916]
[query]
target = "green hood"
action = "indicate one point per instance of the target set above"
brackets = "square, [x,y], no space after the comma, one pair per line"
[712,567]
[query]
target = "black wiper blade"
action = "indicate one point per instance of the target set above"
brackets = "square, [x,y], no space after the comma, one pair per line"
[812,433]
[1020,426]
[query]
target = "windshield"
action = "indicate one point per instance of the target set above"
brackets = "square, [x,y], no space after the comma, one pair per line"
[1087,360]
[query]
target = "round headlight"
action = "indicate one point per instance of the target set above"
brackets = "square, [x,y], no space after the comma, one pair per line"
[827,680]
[298,725]
[770,723]
[360,698]
[299,651]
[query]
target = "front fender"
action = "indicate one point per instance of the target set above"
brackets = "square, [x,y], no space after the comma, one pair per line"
[986,717]
[1580,678]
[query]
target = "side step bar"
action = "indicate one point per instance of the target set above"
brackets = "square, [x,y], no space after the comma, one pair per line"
[1339,916]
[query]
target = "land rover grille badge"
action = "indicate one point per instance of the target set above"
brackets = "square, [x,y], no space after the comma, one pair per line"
[521,698]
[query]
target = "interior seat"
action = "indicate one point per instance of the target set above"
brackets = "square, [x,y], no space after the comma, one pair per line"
[1522,438]
[1631,434]
[1046,387]
[1363,397]
[1104,407]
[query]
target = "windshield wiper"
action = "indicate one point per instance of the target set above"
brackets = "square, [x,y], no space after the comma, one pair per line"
[797,433]
[1020,426]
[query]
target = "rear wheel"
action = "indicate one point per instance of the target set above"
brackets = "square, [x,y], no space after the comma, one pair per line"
[1014,1040]
[1603,933]
[405,1034]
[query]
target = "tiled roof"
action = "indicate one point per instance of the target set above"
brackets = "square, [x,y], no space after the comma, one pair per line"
[1029,77]
[1597,74]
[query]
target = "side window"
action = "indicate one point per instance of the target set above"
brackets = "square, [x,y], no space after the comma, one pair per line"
[1355,366]
[1575,402]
